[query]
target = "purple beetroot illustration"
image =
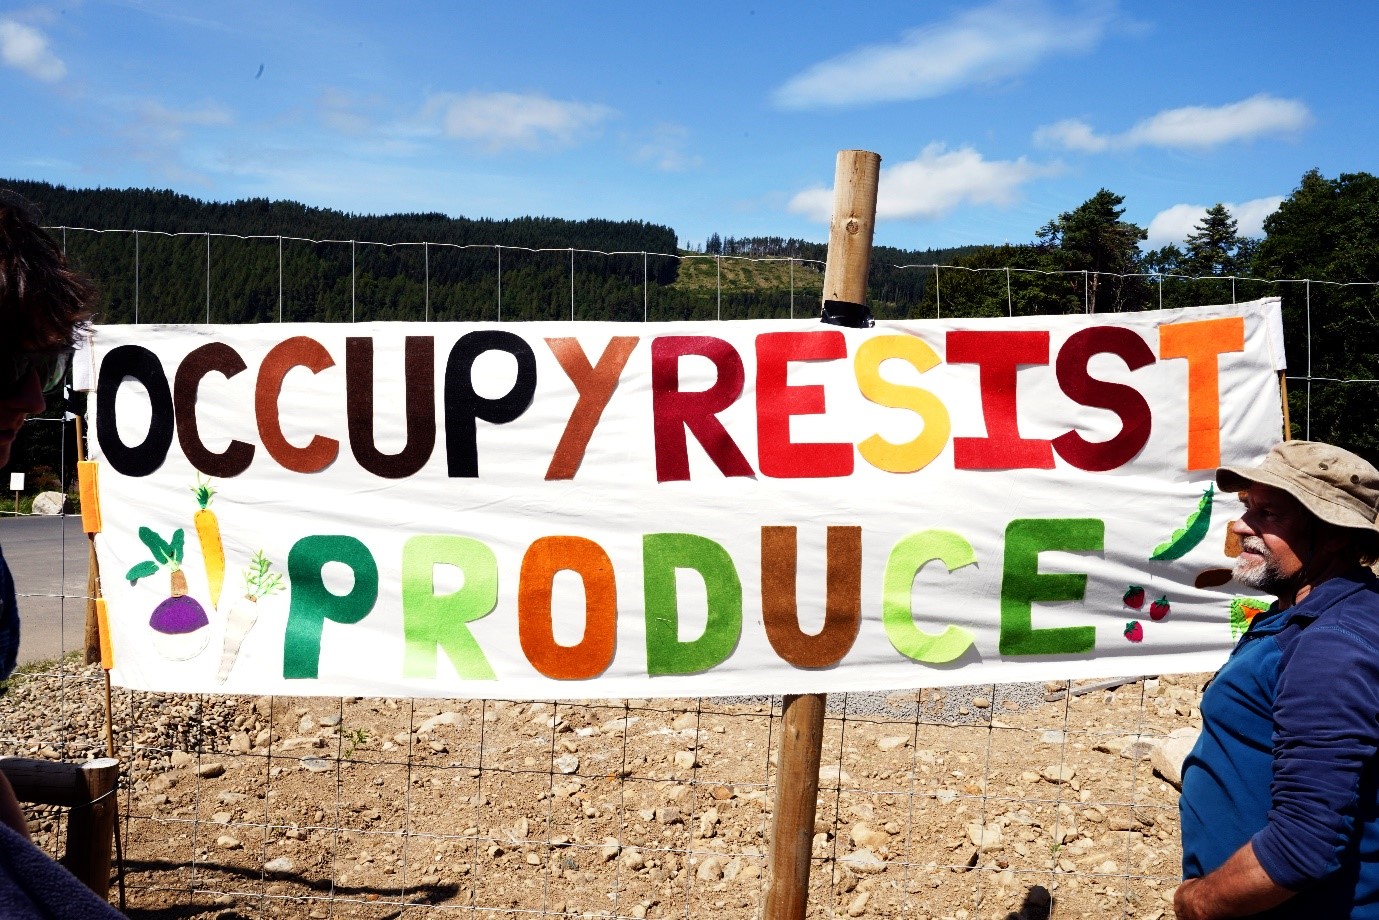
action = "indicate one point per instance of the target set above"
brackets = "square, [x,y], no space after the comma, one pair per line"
[179,622]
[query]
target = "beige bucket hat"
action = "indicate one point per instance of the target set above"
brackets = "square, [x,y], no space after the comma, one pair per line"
[1332,483]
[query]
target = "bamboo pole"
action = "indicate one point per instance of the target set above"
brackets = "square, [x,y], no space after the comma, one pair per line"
[802,728]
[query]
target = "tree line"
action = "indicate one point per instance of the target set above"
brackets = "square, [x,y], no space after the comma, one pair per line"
[1320,253]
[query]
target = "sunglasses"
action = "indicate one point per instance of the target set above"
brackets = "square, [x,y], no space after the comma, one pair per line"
[50,366]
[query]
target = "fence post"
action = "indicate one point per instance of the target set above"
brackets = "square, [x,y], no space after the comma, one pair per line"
[802,729]
[849,238]
[88,790]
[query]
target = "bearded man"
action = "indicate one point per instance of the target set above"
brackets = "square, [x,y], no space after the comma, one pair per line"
[1280,803]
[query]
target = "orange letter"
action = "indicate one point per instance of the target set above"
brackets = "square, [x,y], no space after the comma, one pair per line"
[1200,342]
[594,653]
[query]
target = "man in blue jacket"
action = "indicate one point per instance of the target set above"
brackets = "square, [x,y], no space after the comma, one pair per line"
[1280,804]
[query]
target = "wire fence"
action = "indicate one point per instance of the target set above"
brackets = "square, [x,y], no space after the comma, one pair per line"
[1005,801]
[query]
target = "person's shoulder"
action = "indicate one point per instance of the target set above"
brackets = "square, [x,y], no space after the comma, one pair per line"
[1343,617]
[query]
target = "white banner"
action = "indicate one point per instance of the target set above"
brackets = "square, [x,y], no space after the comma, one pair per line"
[603,510]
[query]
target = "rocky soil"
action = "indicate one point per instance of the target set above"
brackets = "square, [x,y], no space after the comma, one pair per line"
[984,802]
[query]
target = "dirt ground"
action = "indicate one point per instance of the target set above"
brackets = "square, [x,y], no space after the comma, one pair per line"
[963,803]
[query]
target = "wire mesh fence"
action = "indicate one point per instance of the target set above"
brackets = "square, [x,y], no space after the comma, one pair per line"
[1003,801]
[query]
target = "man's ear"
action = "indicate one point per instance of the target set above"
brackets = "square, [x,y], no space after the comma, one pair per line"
[1331,540]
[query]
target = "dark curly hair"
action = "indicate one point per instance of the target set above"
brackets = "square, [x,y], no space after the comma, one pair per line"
[42,301]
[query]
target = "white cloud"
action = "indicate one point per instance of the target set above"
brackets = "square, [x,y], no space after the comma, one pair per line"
[1172,225]
[933,184]
[25,48]
[501,121]
[664,147]
[992,42]
[1190,127]
[1072,134]
[157,135]
[1250,214]
[347,113]
[170,125]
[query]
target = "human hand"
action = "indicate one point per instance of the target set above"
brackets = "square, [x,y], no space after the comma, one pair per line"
[1186,905]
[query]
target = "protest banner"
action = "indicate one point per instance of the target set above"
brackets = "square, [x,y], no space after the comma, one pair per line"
[605,510]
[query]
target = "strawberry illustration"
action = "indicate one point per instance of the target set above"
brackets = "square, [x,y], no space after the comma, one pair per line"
[1133,597]
[1134,631]
[1159,609]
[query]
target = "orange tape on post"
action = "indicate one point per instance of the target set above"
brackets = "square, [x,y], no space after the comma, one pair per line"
[90,500]
[103,623]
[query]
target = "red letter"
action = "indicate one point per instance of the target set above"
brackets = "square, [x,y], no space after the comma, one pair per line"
[999,354]
[675,411]
[777,455]
[1123,400]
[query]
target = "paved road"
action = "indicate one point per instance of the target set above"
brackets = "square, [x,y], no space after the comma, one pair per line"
[44,553]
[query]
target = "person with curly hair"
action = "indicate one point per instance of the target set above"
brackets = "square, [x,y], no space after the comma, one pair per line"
[43,306]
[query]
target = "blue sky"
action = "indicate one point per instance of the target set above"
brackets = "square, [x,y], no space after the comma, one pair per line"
[991,118]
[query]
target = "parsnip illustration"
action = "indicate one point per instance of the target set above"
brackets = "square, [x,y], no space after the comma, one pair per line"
[259,582]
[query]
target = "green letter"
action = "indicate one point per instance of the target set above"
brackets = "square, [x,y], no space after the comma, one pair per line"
[1022,585]
[430,620]
[910,555]
[662,554]
[312,604]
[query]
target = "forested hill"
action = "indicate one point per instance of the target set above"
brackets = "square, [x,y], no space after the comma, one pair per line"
[158,278]
[168,212]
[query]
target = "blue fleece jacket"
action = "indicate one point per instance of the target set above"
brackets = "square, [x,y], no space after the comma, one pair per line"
[1297,703]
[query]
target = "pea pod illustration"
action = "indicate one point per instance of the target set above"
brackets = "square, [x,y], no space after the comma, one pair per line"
[1186,538]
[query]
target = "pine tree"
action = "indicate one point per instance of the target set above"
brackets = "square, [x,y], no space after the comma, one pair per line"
[1214,245]
[1093,238]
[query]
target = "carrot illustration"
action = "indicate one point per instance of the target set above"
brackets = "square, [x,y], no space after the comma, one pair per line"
[208,532]
[259,582]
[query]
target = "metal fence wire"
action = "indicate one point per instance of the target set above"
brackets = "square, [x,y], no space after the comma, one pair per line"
[1011,802]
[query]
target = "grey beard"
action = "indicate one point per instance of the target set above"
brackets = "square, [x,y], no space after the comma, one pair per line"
[1263,576]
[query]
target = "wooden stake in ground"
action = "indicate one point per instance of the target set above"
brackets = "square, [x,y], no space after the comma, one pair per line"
[801,737]
[92,636]
[855,182]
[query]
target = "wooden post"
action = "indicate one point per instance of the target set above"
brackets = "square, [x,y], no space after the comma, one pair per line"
[802,729]
[1283,395]
[91,635]
[797,799]
[855,182]
[88,790]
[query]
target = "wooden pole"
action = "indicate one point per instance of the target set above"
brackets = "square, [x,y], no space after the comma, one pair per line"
[855,181]
[797,799]
[92,635]
[802,728]
[88,790]
[1283,395]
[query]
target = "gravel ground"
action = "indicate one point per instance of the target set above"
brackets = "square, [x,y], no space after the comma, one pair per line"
[958,803]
